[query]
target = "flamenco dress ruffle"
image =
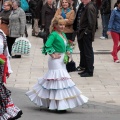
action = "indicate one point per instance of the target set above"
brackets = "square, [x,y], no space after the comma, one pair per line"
[56,90]
[8,111]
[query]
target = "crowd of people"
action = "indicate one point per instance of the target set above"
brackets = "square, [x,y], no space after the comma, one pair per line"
[61,20]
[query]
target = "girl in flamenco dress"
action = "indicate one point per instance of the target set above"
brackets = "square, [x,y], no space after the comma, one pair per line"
[8,111]
[55,90]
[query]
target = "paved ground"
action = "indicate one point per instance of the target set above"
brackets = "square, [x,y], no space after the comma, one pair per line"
[103,89]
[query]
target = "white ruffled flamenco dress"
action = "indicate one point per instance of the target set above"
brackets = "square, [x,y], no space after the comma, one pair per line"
[56,90]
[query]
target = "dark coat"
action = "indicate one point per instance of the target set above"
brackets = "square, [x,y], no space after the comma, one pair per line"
[32,7]
[105,7]
[35,7]
[87,20]
[47,15]
[5,16]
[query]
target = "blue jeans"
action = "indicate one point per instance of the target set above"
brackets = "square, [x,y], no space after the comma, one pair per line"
[105,21]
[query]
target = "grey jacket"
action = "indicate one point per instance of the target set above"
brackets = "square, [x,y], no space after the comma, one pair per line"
[17,22]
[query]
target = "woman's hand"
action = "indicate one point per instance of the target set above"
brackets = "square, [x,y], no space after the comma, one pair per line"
[55,56]
[108,32]
[8,75]
[68,53]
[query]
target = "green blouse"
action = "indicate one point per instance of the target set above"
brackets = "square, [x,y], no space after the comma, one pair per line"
[56,44]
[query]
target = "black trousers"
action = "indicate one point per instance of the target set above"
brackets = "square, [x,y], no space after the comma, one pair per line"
[10,42]
[74,35]
[47,34]
[86,52]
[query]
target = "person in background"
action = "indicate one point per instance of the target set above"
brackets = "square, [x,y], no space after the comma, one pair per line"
[32,6]
[75,4]
[35,9]
[97,10]
[76,27]
[48,12]
[4,16]
[55,90]
[17,22]
[85,24]
[105,11]
[67,12]
[114,30]
[8,111]
[115,5]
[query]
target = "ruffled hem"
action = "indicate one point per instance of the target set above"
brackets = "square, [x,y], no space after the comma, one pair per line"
[56,74]
[53,94]
[58,95]
[60,104]
[58,84]
[56,91]
[49,50]
[12,111]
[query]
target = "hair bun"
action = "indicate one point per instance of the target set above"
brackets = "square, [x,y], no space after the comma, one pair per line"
[56,20]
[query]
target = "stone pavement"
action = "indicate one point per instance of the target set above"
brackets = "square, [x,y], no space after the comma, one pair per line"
[103,89]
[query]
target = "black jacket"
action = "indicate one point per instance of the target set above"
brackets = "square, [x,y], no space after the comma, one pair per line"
[105,7]
[35,7]
[47,15]
[87,20]
[5,16]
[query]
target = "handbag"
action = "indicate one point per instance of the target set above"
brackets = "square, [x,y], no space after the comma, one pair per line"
[71,65]
[4,28]
[21,46]
[42,34]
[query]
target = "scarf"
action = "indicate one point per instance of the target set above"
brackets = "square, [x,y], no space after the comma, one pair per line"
[63,14]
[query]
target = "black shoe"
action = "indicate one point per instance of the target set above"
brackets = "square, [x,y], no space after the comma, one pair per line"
[82,72]
[17,116]
[86,74]
[61,111]
[33,34]
[16,56]
[80,68]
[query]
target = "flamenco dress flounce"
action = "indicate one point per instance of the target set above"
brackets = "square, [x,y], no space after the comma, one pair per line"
[56,90]
[8,111]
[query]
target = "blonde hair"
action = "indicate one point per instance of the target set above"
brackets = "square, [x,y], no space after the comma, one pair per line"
[9,3]
[69,2]
[55,21]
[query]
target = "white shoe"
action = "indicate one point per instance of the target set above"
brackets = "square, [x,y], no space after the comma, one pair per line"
[102,37]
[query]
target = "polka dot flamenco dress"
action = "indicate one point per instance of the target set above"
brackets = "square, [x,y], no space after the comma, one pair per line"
[8,111]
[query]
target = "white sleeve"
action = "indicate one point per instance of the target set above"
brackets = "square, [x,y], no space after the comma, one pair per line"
[8,60]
